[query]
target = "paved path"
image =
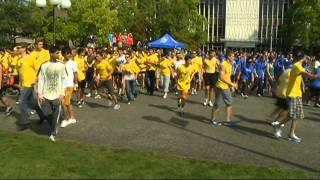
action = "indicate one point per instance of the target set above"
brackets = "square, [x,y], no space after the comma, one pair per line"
[153,124]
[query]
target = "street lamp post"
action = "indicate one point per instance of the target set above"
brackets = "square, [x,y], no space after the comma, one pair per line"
[65,4]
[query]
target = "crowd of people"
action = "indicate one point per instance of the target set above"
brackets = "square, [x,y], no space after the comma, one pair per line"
[46,80]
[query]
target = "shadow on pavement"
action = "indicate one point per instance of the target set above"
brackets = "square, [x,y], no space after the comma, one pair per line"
[253,121]
[159,120]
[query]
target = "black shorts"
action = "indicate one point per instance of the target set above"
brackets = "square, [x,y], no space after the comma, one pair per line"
[210,79]
[107,84]
[282,103]
[82,84]
[16,79]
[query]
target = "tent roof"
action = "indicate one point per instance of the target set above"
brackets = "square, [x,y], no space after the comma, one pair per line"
[166,41]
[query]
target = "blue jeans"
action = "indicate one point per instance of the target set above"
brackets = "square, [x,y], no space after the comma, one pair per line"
[131,89]
[27,101]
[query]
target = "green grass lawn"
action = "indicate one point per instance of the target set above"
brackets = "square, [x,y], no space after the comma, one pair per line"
[25,156]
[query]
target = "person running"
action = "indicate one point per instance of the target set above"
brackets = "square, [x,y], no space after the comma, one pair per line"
[197,62]
[185,73]
[224,90]
[68,83]
[314,89]
[246,77]
[51,91]
[211,74]
[166,71]
[294,93]
[90,61]
[151,62]
[3,87]
[103,77]
[81,64]
[130,70]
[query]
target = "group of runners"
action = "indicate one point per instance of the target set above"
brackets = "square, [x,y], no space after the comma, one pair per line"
[45,80]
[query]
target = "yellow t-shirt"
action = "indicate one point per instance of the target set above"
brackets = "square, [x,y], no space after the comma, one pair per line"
[295,80]
[104,69]
[27,71]
[210,65]
[165,67]
[81,63]
[40,57]
[5,60]
[13,63]
[228,70]
[131,67]
[283,84]
[197,62]
[153,58]
[185,74]
[140,61]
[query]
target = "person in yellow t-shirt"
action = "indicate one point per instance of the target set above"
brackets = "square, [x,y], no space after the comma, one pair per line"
[224,87]
[210,76]
[14,71]
[131,71]
[80,60]
[3,99]
[103,77]
[151,62]
[197,62]
[294,93]
[39,54]
[185,73]
[166,71]
[140,61]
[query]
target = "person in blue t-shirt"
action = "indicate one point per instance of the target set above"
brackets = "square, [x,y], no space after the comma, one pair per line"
[247,77]
[110,39]
[278,66]
[260,69]
[314,89]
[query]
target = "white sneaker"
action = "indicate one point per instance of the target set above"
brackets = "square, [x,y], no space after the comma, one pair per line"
[275,123]
[318,105]
[72,121]
[295,138]
[64,123]
[210,104]
[165,96]
[129,103]
[277,133]
[88,95]
[32,112]
[259,95]
[242,95]
[116,107]
[246,96]
[205,103]
[52,138]
[97,97]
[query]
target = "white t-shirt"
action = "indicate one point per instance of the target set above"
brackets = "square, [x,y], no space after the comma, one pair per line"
[178,63]
[317,64]
[51,77]
[71,67]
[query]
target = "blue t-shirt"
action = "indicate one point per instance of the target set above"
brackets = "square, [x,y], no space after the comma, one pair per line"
[110,37]
[246,72]
[316,83]
[287,63]
[278,65]
[260,69]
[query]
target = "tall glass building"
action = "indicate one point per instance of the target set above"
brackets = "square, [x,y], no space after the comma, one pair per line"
[247,24]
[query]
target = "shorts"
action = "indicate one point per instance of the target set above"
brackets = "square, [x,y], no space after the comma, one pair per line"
[210,79]
[223,97]
[16,79]
[2,92]
[296,108]
[89,76]
[196,76]
[107,84]
[282,103]
[68,95]
[82,84]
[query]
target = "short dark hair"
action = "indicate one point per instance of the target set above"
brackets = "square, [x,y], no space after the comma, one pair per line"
[66,50]
[228,52]
[53,49]
[81,50]
[39,40]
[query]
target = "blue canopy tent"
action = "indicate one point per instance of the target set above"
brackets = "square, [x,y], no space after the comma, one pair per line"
[166,41]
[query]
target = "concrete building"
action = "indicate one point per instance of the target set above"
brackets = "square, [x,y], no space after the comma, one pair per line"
[246,24]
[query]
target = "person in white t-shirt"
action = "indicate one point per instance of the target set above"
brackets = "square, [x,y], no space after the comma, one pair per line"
[68,84]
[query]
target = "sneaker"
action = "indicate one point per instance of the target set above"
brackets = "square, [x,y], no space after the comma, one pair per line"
[242,95]
[179,102]
[97,96]
[165,96]
[116,107]
[205,103]
[215,123]
[64,123]
[294,138]
[72,121]
[195,92]
[129,103]
[277,132]
[32,112]
[259,95]
[210,104]
[52,138]
[88,95]
[275,123]
[9,110]
[17,102]
[317,105]
[245,96]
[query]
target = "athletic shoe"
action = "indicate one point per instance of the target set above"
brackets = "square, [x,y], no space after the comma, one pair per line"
[259,95]
[88,95]
[179,102]
[97,96]
[129,103]
[246,97]
[52,138]
[116,107]
[9,110]
[242,95]
[64,123]
[215,123]
[277,132]
[205,103]
[72,121]
[32,112]
[275,123]
[210,104]
[295,138]
[317,105]
[17,102]
[165,96]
